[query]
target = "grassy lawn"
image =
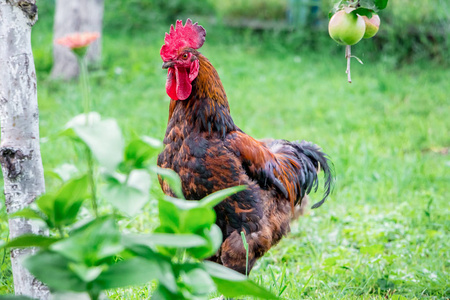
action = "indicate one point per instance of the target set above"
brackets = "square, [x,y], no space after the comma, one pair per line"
[385,229]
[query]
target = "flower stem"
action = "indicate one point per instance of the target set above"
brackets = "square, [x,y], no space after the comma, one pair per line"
[85,94]
[90,163]
[84,86]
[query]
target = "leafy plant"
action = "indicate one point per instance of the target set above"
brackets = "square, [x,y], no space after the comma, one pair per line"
[93,255]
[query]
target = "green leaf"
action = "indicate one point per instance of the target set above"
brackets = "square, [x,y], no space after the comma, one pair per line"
[53,174]
[164,263]
[172,179]
[165,239]
[87,274]
[62,208]
[139,151]
[169,216]
[69,199]
[381,4]
[135,271]
[215,198]
[46,204]
[248,288]
[28,213]
[373,5]
[130,195]
[127,199]
[194,220]
[70,133]
[367,4]
[15,297]
[364,12]
[213,237]
[198,282]
[222,272]
[182,216]
[233,284]
[52,269]
[91,243]
[163,293]
[103,137]
[182,204]
[30,240]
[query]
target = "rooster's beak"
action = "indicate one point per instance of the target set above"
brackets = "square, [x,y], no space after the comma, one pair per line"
[168,64]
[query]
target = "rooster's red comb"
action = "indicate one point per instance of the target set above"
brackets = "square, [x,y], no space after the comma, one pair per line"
[190,35]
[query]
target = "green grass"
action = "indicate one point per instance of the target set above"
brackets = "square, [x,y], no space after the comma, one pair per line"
[384,230]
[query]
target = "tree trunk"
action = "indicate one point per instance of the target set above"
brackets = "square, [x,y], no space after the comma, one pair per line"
[20,155]
[75,16]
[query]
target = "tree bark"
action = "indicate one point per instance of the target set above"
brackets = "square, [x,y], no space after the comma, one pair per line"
[75,16]
[20,155]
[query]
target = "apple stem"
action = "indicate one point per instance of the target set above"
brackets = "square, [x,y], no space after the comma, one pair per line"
[348,56]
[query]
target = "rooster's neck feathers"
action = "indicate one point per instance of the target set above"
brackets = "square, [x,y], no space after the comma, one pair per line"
[207,107]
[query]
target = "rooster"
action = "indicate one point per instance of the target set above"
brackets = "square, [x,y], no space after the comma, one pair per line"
[209,153]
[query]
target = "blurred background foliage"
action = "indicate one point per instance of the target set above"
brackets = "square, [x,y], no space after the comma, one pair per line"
[410,29]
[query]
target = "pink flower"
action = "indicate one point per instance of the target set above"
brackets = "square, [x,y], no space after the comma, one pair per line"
[78,39]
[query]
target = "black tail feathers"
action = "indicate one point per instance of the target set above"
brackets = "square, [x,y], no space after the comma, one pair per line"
[313,160]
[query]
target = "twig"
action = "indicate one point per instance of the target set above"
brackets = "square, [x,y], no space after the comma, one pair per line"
[348,56]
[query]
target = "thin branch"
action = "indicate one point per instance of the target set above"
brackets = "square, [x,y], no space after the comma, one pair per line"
[348,56]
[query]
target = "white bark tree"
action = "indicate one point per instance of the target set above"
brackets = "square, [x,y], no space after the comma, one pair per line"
[20,155]
[75,16]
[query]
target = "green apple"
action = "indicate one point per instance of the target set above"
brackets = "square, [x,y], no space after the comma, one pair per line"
[372,25]
[346,29]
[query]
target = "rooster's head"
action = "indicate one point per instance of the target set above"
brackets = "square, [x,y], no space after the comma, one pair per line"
[180,57]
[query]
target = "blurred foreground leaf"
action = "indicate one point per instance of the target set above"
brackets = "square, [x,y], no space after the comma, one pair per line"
[103,138]
[30,240]
[233,284]
[215,198]
[135,271]
[172,180]
[44,265]
[164,239]
[62,208]
[91,243]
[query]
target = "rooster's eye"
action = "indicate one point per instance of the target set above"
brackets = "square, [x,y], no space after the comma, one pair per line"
[185,56]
